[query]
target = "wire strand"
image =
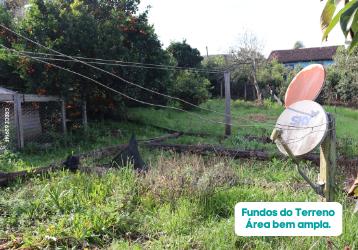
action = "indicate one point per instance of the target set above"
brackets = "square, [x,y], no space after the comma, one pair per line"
[128,63]
[129,82]
[114,75]
[127,96]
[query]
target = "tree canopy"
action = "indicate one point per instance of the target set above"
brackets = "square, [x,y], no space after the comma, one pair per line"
[185,55]
[87,28]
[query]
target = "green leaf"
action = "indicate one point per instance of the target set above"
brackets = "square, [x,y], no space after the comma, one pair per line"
[347,17]
[354,25]
[327,13]
[336,18]
[353,43]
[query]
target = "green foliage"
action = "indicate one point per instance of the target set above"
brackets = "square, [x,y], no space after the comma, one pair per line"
[341,83]
[213,63]
[68,209]
[115,210]
[298,45]
[101,29]
[191,87]
[10,161]
[273,74]
[187,175]
[183,202]
[185,55]
[288,76]
[347,17]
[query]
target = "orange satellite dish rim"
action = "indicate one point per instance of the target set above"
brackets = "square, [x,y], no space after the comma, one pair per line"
[306,85]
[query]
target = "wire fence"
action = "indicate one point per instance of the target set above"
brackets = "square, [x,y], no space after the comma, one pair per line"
[47,121]
[48,128]
[7,127]
[33,123]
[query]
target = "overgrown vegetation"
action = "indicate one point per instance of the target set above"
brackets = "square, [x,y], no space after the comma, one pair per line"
[119,209]
[184,201]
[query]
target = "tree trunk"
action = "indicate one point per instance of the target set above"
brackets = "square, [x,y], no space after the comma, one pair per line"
[256,85]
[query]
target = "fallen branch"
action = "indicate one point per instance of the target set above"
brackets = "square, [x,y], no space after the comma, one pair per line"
[169,130]
[211,149]
[348,165]
[7,178]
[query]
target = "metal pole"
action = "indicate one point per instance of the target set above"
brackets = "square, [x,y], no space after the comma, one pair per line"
[227,104]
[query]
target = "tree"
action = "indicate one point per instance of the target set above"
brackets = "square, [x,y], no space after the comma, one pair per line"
[342,77]
[248,52]
[185,55]
[90,28]
[213,63]
[273,76]
[298,45]
[191,87]
[347,17]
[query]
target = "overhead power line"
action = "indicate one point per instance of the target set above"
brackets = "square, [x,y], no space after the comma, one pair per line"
[107,72]
[126,81]
[123,94]
[124,63]
[116,76]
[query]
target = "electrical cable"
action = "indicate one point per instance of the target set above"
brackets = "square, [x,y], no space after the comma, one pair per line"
[129,82]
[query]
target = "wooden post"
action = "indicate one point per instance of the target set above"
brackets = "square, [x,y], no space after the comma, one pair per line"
[63,116]
[328,160]
[245,92]
[18,121]
[227,104]
[84,115]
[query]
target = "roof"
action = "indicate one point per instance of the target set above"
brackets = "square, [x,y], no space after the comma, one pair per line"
[7,95]
[6,91]
[304,54]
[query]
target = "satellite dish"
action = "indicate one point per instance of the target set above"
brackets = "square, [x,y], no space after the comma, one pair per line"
[303,126]
[306,85]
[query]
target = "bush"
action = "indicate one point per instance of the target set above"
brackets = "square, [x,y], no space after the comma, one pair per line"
[191,87]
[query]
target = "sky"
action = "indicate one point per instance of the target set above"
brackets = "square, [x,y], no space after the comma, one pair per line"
[278,24]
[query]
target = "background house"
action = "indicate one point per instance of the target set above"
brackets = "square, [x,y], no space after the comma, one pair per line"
[304,56]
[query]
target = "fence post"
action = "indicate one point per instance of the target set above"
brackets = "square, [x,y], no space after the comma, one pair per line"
[63,116]
[328,160]
[18,121]
[227,104]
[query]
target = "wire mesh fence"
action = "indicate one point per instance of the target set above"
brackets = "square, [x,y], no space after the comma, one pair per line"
[8,140]
[41,122]
[27,120]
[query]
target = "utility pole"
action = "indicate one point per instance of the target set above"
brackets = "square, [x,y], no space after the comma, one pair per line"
[207,52]
[227,104]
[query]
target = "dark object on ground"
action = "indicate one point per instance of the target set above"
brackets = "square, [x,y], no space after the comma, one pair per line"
[130,155]
[72,163]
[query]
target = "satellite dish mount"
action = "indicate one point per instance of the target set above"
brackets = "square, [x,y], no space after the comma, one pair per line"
[304,125]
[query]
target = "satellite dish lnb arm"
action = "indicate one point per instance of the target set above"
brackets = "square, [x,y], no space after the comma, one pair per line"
[318,188]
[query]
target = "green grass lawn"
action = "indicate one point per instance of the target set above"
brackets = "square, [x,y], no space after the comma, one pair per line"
[183,202]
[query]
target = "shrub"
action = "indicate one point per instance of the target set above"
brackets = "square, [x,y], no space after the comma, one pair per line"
[10,161]
[187,175]
[190,87]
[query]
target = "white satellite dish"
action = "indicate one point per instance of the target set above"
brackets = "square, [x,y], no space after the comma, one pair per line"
[303,127]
